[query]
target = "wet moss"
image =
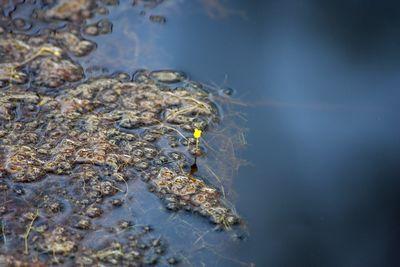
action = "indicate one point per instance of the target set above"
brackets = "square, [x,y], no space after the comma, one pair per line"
[69,146]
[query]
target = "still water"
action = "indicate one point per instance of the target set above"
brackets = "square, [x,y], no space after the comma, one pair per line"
[320,80]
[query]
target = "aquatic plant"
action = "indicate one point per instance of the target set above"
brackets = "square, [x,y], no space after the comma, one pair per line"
[197,135]
[71,147]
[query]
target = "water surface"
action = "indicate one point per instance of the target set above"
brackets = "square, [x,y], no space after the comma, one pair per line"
[321,82]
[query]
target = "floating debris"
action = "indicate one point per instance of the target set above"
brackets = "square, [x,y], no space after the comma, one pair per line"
[101,134]
[70,148]
[103,26]
[110,111]
[168,76]
[74,44]
[158,19]
[52,68]
[184,190]
[70,10]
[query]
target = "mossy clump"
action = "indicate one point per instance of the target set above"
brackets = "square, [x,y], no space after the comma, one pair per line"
[99,135]
[22,56]
[71,146]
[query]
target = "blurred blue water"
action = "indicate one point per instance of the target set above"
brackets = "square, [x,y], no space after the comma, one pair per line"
[322,78]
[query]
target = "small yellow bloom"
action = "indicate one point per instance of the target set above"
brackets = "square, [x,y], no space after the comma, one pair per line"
[197,133]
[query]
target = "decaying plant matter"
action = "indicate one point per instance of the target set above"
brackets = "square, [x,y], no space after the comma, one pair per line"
[101,134]
[71,148]
[23,55]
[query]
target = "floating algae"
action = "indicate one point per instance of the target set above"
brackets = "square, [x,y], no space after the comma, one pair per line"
[99,135]
[38,56]
[93,134]
[70,149]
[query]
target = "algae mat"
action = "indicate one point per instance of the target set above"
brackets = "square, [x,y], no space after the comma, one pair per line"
[72,147]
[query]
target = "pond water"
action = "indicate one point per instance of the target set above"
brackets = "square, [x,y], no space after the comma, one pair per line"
[320,84]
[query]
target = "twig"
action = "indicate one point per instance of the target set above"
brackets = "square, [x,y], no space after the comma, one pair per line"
[28,230]
[172,128]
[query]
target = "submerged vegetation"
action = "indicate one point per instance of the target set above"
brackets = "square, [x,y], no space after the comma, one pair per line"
[71,147]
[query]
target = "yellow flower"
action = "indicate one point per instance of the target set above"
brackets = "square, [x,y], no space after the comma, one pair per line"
[197,133]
